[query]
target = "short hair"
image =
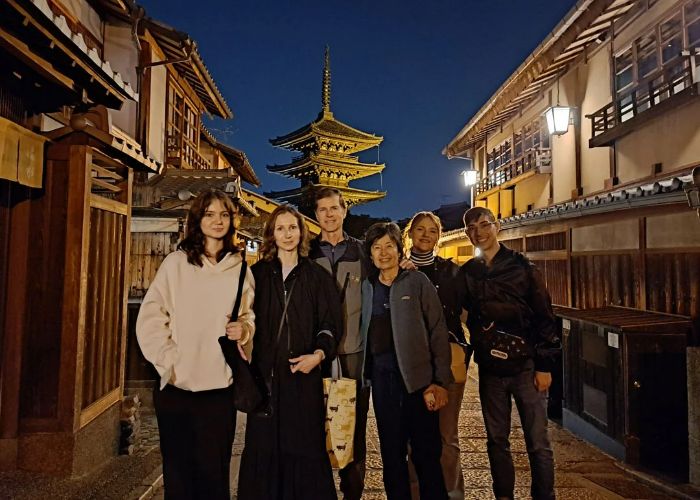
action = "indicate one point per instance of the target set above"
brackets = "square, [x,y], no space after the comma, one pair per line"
[327,192]
[268,248]
[407,241]
[379,230]
[475,213]
[193,243]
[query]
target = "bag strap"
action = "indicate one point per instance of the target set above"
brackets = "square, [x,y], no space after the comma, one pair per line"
[284,312]
[239,293]
[336,369]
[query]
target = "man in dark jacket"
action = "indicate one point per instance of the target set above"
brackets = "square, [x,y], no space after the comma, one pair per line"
[513,331]
[343,257]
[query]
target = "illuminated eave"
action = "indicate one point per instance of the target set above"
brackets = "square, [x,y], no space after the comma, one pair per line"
[315,163]
[321,129]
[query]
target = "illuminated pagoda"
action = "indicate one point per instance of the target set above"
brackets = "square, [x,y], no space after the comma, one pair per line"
[328,150]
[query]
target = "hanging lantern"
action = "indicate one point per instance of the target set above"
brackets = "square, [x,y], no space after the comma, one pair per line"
[557,119]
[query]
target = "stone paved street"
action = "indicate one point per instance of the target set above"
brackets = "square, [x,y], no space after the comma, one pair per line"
[582,472]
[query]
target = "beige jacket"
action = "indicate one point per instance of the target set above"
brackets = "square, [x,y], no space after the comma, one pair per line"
[184,313]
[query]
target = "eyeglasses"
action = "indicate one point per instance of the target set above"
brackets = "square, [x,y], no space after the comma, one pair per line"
[482,226]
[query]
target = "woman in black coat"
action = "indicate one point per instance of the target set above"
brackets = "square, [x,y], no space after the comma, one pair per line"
[285,454]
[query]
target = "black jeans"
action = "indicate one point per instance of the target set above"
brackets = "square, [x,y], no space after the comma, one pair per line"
[496,395]
[403,418]
[196,436]
[352,476]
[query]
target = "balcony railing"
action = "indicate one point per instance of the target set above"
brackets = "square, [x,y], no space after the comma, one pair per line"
[533,159]
[183,155]
[646,97]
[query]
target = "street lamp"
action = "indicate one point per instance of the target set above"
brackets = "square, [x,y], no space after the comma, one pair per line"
[470,177]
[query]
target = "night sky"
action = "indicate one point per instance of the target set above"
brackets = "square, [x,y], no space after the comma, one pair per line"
[411,71]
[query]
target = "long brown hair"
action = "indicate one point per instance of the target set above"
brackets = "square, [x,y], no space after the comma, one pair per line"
[268,248]
[193,243]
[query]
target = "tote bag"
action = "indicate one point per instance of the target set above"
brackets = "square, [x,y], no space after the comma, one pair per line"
[340,396]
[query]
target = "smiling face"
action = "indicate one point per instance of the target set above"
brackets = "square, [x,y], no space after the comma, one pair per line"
[424,235]
[483,233]
[287,232]
[216,220]
[330,214]
[385,253]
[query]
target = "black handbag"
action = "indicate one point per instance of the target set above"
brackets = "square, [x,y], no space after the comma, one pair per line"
[249,390]
[500,352]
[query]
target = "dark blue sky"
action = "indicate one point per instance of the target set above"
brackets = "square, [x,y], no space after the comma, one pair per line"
[411,71]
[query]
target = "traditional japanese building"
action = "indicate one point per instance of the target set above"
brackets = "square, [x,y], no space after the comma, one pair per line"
[328,150]
[600,203]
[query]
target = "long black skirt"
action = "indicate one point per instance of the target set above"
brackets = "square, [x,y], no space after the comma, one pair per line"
[285,455]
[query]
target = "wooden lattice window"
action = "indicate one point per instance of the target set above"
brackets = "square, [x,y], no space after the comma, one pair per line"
[182,130]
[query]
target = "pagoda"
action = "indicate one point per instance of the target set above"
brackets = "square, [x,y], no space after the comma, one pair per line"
[328,147]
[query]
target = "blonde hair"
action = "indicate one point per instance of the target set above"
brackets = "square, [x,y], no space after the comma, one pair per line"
[419,216]
[268,248]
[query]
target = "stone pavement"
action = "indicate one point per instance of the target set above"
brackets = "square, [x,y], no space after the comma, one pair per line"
[582,471]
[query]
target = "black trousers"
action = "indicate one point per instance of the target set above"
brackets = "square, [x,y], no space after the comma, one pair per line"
[196,436]
[402,418]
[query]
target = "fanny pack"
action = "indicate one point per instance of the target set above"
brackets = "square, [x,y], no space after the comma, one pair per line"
[500,352]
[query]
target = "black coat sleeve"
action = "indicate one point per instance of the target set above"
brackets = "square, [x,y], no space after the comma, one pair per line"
[328,313]
[437,330]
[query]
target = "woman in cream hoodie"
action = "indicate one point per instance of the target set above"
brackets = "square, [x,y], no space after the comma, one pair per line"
[186,309]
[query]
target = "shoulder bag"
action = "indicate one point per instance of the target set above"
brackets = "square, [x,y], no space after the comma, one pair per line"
[249,391]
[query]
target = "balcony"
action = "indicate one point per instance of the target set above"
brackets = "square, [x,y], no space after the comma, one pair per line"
[658,94]
[538,161]
[182,153]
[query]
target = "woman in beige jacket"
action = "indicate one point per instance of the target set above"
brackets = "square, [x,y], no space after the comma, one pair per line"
[186,309]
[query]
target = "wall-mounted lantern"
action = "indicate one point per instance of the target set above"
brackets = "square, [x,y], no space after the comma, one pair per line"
[558,119]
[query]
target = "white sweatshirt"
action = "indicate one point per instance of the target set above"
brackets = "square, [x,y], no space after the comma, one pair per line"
[184,313]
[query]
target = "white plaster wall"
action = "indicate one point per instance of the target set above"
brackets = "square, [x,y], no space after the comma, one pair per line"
[121,52]
[156,130]
[595,162]
[564,146]
[673,230]
[672,139]
[86,15]
[617,235]
[533,190]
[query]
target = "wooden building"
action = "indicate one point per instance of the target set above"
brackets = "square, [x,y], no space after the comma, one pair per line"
[327,158]
[65,205]
[600,207]
[101,147]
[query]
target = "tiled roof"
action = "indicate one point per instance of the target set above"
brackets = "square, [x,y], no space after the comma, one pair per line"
[665,191]
[78,41]
[659,192]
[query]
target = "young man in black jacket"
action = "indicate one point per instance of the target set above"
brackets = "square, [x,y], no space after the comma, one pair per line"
[513,332]
[343,257]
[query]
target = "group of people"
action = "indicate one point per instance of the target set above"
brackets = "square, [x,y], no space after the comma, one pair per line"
[388,309]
